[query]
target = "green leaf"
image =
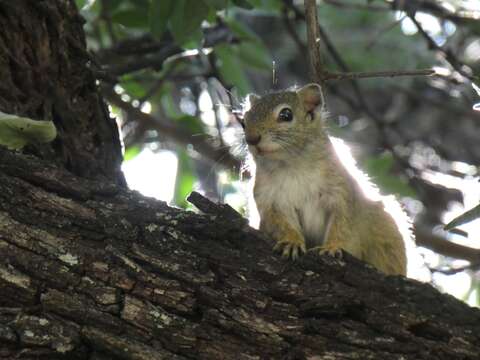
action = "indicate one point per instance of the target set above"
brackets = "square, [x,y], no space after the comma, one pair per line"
[135,17]
[185,179]
[131,152]
[160,11]
[194,41]
[264,5]
[231,68]
[379,169]
[242,32]
[80,3]
[380,164]
[167,101]
[255,55]
[466,217]
[187,18]
[144,4]
[217,4]
[243,4]
[132,87]
[191,123]
[16,132]
[251,49]
[114,5]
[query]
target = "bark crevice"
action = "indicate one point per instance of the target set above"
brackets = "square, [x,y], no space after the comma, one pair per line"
[94,271]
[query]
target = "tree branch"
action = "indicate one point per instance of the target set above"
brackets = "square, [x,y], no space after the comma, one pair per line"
[313,40]
[320,74]
[434,8]
[181,136]
[348,5]
[424,237]
[376,74]
[91,268]
[447,54]
[155,53]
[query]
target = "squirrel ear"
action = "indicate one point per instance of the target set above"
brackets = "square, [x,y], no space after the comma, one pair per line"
[311,96]
[252,99]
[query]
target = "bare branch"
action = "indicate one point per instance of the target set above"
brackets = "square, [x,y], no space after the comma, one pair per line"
[376,74]
[154,53]
[313,39]
[218,155]
[348,5]
[447,54]
[455,270]
[434,8]
[426,238]
[384,30]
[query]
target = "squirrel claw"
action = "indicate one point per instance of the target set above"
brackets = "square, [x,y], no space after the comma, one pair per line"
[330,250]
[290,249]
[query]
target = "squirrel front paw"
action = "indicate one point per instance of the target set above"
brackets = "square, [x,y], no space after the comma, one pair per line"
[291,245]
[333,250]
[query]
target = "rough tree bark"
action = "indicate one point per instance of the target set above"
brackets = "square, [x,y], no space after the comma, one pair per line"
[45,74]
[91,270]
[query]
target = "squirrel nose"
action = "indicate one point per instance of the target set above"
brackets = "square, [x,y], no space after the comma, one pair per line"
[253,140]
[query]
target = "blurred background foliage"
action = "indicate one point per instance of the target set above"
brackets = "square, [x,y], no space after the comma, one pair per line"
[175,73]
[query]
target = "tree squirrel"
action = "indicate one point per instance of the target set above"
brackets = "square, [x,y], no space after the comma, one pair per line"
[305,197]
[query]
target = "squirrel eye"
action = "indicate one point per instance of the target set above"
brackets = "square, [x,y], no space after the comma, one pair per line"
[285,115]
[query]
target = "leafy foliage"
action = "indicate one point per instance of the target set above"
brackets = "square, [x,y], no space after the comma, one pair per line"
[380,169]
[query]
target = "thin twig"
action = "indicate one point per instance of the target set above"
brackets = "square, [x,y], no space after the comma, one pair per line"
[313,40]
[159,82]
[154,53]
[373,40]
[447,54]
[375,74]
[453,271]
[105,16]
[434,8]
[449,106]
[348,5]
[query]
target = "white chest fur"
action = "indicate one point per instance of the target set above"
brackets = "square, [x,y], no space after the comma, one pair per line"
[298,193]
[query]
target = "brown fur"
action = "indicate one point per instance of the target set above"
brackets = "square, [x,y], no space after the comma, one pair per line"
[305,196]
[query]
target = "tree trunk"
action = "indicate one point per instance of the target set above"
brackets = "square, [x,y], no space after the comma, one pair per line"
[45,74]
[91,270]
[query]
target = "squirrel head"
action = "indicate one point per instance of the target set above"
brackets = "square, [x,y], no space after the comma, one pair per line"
[280,125]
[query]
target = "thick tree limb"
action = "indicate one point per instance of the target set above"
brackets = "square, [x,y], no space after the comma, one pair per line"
[88,267]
